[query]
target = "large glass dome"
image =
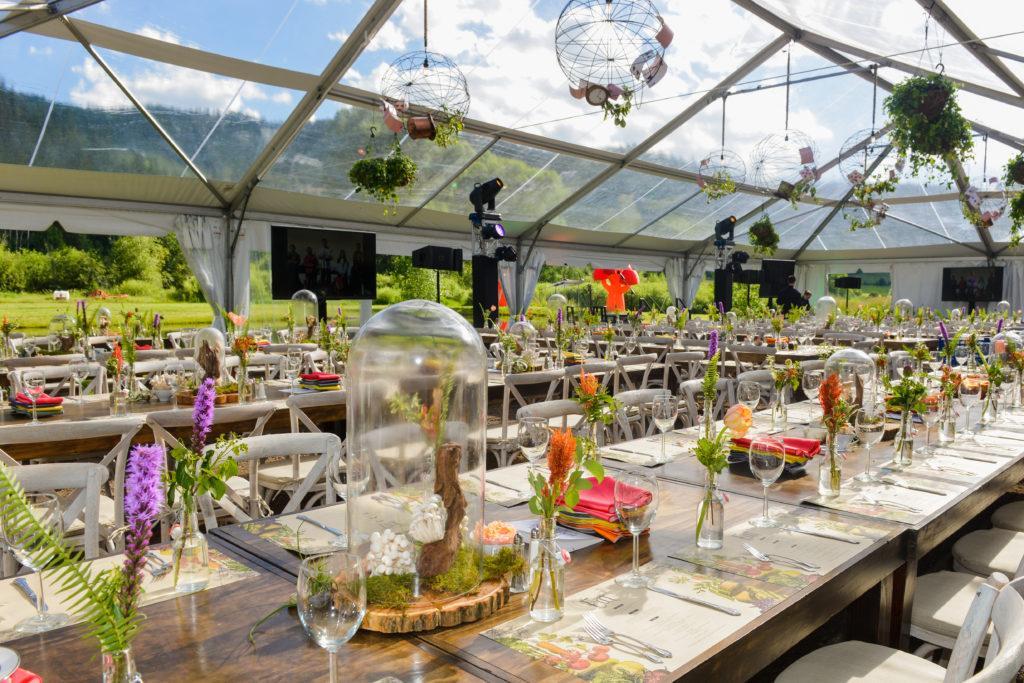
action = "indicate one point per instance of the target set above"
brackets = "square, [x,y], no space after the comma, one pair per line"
[417,394]
[856,372]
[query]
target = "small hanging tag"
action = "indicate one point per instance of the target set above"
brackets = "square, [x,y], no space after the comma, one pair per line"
[806,155]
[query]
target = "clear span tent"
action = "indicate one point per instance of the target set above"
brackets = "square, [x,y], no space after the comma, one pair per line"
[217,118]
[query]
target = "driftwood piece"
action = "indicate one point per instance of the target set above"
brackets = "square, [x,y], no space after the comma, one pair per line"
[209,361]
[433,611]
[437,557]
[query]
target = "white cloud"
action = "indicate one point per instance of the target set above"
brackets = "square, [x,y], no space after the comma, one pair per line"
[338,36]
[40,51]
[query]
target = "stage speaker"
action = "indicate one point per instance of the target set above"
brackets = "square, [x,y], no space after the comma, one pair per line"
[848,282]
[749,277]
[774,274]
[723,287]
[485,288]
[438,258]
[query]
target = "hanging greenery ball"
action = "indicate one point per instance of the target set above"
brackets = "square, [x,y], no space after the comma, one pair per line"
[429,80]
[785,164]
[927,126]
[720,172]
[763,237]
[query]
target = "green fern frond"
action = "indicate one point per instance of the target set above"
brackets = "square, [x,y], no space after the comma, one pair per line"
[88,594]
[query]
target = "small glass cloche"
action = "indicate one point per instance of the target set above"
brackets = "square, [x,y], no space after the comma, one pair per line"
[523,330]
[825,307]
[209,353]
[557,301]
[304,306]
[904,308]
[1003,309]
[856,373]
[417,436]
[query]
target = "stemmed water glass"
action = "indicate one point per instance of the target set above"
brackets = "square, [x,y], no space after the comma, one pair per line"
[961,353]
[970,396]
[636,502]
[534,435]
[664,411]
[767,458]
[811,383]
[870,425]
[24,545]
[293,365]
[77,373]
[749,394]
[331,601]
[930,416]
[35,384]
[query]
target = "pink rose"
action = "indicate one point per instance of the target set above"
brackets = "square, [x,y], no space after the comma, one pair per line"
[738,419]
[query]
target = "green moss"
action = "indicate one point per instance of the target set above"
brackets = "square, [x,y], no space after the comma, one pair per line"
[463,576]
[392,591]
[506,561]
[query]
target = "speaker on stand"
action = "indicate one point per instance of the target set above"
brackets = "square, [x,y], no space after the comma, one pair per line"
[848,282]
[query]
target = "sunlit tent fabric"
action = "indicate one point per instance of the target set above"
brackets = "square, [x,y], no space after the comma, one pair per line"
[263,131]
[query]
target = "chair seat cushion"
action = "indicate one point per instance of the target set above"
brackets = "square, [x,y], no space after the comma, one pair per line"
[280,475]
[942,600]
[1010,516]
[990,550]
[858,661]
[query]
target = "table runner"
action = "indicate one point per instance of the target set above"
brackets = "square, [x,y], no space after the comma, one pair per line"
[300,537]
[890,499]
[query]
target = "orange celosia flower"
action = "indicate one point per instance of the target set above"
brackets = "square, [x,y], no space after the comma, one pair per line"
[829,396]
[561,457]
[430,418]
[588,383]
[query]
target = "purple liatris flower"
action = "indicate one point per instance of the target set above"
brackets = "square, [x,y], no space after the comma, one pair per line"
[712,343]
[999,326]
[721,307]
[156,320]
[561,317]
[202,414]
[142,499]
[81,307]
[943,333]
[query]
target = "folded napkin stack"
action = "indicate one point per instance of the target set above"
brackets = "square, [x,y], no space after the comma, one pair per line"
[798,451]
[320,381]
[45,405]
[143,347]
[595,512]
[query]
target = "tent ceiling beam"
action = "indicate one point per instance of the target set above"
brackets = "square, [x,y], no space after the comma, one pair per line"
[145,112]
[962,183]
[374,18]
[649,223]
[806,36]
[762,55]
[448,181]
[948,19]
[29,19]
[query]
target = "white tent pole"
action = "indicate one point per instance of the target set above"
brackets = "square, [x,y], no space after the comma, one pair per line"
[22,21]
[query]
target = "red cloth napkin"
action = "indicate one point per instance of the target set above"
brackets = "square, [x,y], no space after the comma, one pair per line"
[143,347]
[599,501]
[23,676]
[43,400]
[319,376]
[794,446]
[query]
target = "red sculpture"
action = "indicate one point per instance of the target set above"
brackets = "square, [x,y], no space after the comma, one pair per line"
[616,281]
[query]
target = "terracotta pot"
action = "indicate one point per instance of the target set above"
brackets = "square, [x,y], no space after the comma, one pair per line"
[391,120]
[934,102]
[579,91]
[421,128]
[785,190]
[664,35]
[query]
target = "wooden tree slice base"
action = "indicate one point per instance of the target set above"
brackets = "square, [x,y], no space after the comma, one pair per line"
[426,615]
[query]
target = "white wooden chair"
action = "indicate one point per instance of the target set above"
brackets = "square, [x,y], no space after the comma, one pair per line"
[58,379]
[633,419]
[763,379]
[1009,516]
[603,369]
[626,364]
[286,476]
[512,399]
[725,396]
[997,602]
[549,410]
[681,366]
[986,551]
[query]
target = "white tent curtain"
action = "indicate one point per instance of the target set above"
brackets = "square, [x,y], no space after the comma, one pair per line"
[812,277]
[203,243]
[1013,283]
[693,281]
[519,290]
[675,276]
[921,282]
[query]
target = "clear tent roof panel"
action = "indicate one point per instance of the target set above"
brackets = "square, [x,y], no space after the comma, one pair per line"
[945,218]
[887,27]
[296,34]
[696,219]
[536,180]
[626,202]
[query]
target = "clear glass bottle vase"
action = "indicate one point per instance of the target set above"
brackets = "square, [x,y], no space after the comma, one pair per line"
[830,471]
[947,421]
[547,574]
[903,446]
[779,413]
[711,514]
[190,553]
[119,667]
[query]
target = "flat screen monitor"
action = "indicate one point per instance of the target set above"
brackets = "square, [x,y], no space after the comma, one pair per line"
[984,283]
[333,264]
[774,273]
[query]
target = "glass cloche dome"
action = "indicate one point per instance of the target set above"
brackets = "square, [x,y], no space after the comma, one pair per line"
[304,306]
[1003,308]
[904,308]
[557,301]
[856,372]
[417,425]
[825,307]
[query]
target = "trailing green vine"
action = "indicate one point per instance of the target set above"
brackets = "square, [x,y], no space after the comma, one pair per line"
[1015,176]
[447,128]
[381,177]
[868,195]
[763,237]
[618,110]
[717,185]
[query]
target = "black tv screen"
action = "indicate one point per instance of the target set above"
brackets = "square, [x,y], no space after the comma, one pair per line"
[774,273]
[333,264]
[972,284]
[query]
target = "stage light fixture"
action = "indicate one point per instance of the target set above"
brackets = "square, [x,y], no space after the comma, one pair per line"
[484,193]
[506,253]
[492,230]
[724,231]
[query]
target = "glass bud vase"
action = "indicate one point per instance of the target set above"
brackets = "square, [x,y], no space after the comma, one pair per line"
[119,667]
[947,422]
[711,515]
[903,445]
[547,574]
[830,472]
[190,553]
[779,413]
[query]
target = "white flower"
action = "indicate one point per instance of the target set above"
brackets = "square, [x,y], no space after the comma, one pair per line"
[428,520]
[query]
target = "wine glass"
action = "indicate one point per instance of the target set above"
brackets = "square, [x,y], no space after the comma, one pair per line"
[77,373]
[869,422]
[811,383]
[664,411]
[970,396]
[34,383]
[930,416]
[749,394]
[767,458]
[331,601]
[293,365]
[636,502]
[23,543]
[534,435]
[961,354]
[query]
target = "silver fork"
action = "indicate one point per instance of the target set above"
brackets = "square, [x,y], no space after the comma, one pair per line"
[605,631]
[162,566]
[780,559]
[871,500]
[601,639]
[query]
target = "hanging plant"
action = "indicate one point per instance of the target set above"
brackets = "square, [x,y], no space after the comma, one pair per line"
[717,184]
[1015,175]
[381,177]
[447,128]
[868,196]
[1015,170]
[763,237]
[618,110]
[927,126]
[792,192]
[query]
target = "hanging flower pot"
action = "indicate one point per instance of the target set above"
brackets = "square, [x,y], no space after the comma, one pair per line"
[785,190]
[763,237]
[578,91]
[933,101]
[421,127]
[1015,170]
[665,34]
[927,125]
[596,95]
[391,120]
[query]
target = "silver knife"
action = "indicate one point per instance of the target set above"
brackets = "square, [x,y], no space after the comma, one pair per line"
[914,487]
[504,486]
[321,525]
[627,451]
[696,601]
[970,457]
[21,583]
[821,534]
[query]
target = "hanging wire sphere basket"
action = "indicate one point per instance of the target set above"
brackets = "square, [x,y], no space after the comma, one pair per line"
[789,156]
[720,167]
[984,201]
[856,157]
[613,45]
[426,79]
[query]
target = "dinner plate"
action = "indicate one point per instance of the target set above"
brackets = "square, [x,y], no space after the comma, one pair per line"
[9,661]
